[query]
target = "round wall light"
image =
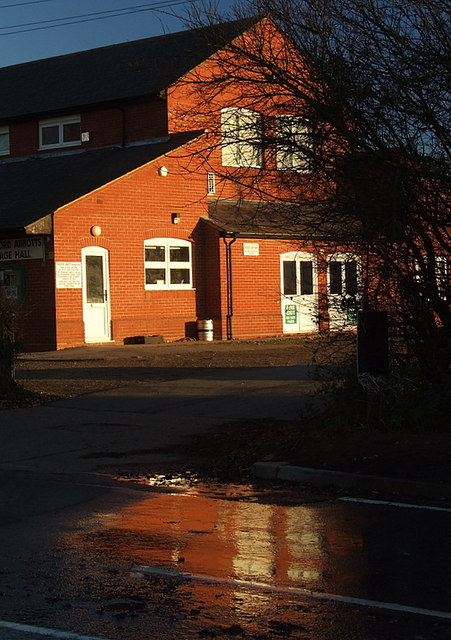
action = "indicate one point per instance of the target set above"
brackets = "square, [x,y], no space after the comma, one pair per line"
[96,231]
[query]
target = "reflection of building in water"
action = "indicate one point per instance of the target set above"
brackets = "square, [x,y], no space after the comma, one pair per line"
[231,539]
[304,538]
[255,557]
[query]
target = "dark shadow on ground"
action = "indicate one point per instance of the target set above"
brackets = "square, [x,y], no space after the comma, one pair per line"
[136,374]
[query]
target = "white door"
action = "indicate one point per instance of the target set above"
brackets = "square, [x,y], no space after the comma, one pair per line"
[96,295]
[299,292]
[343,273]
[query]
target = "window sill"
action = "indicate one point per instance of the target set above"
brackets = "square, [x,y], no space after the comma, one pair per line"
[244,166]
[172,288]
[68,145]
[293,170]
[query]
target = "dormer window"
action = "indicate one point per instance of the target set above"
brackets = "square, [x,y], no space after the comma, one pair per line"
[4,141]
[59,132]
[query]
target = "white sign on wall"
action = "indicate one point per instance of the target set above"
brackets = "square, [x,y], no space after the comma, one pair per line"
[21,249]
[251,249]
[68,275]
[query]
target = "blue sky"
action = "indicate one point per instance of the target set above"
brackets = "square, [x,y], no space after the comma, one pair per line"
[26,35]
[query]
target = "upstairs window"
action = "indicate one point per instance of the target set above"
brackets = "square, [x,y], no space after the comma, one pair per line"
[211,184]
[294,144]
[59,132]
[241,131]
[433,280]
[4,141]
[167,264]
[442,275]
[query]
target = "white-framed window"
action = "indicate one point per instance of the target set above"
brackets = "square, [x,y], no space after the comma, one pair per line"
[241,131]
[441,274]
[211,184]
[344,290]
[59,132]
[4,141]
[343,276]
[167,264]
[294,144]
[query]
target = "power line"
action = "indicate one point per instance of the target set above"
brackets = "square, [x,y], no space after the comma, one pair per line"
[112,12]
[90,17]
[21,4]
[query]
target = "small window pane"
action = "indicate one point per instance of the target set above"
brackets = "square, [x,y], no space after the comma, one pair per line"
[94,279]
[71,132]
[179,254]
[306,278]
[155,254]
[50,135]
[4,142]
[351,278]
[289,277]
[211,183]
[335,277]
[180,276]
[155,276]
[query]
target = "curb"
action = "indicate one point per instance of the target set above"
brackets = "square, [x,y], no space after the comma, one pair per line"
[325,477]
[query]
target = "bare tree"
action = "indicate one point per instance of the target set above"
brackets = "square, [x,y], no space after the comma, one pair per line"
[365,91]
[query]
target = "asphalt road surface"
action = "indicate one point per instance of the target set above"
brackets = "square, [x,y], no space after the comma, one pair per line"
[189,561]
[85,556]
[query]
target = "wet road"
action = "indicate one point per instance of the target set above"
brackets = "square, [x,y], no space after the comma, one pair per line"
[190,561]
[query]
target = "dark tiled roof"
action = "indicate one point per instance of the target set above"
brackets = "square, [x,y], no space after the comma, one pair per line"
[301,221]
[252,219]
[109,74]
[31,189]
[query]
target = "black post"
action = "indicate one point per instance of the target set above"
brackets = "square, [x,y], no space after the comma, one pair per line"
[372,343]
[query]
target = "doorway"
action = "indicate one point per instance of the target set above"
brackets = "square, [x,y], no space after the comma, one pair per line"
[299,287]
[96,295]
[343,275]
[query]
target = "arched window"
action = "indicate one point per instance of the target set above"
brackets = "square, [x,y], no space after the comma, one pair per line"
[167,264]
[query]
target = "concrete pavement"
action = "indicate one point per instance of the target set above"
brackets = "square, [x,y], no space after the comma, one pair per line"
[145,423]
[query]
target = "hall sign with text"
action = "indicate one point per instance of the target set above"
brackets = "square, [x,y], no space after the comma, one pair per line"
[21,249]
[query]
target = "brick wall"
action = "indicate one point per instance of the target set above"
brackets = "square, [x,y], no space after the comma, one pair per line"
[129,211]
[36,315]
[107,126]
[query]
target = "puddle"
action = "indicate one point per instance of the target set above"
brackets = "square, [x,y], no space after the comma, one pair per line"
[236,533]
[229,533]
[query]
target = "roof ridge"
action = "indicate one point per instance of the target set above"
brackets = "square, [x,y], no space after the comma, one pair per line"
[247,22]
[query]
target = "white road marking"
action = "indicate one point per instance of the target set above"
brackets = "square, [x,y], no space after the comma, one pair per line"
[402,505]
[391,606]
[42,631]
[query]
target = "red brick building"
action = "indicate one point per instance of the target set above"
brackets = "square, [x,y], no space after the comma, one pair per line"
[114,224]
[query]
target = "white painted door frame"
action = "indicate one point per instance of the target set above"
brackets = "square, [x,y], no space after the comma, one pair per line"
[96,294]
[299,292]
[343,289]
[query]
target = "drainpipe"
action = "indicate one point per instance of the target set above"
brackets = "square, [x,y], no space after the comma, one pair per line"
[228,247]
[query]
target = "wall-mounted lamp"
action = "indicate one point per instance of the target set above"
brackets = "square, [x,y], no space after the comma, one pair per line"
[163,171]
[96,231]
[175,217]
